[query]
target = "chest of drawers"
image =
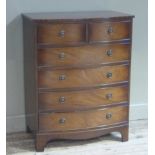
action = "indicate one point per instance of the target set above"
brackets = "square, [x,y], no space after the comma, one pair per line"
[77,74]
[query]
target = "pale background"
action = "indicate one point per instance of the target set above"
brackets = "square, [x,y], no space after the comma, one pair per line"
[15,83]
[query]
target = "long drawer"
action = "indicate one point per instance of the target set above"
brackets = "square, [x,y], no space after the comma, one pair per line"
[71,78]
[95,54]
[82,120]
[66,100]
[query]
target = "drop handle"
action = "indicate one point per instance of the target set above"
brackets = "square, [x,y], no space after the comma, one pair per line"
[108,115]
[62,120]
[109,53]
[109,75]
[62,33]
[62,77]
[110,30]
[62,99]
[62,55]
[109,96]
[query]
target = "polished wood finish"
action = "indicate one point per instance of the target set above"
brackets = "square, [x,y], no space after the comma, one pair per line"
[43,138]
[61,33]
[83,119]
[98,54]
[85,99]
[82,16]
[77,74]
[79,77]
[109,31]
[30,75]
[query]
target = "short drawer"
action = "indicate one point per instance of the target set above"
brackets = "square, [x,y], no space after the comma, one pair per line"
[109,31]
[82,120]
[95,54]
[82,99]
[70,78]
[61,33]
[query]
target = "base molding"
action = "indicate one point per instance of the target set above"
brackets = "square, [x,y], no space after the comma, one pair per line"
[42,139]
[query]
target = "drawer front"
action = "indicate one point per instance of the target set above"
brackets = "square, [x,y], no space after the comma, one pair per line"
[109,31]
[61,33]
[82,77]
[82,99]
[83,119]
[96,54]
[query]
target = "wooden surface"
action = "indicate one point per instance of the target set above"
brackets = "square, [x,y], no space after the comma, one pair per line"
[82,77]
[85,99]
[30,74]
[73,16]
[23,144]
[98,54]
[51,33]
[81,38]
[108,31]
[82,120]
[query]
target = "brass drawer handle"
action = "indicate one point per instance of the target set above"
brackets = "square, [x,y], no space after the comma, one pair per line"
[62,33]
[62,120]
[62,77]
[62,99]
[109,53]
[109,75]
[61,55]
[109,96]
[110,30]
[108,115]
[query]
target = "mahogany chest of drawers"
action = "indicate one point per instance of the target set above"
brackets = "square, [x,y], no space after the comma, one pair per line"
[77,74]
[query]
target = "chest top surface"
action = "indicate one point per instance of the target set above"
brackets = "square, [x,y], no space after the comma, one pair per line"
[82,15]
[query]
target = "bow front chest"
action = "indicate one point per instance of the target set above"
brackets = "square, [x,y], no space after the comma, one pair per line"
[77,74]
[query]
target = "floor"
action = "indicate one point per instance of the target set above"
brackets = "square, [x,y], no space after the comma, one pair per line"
[23,144]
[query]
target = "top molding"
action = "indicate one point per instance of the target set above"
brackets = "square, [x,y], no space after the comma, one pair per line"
[77,16]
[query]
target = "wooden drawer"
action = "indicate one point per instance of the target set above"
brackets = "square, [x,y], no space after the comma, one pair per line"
[96,54]
[70,78]
[109,31]
[82,99]
[83,120]
[61,33]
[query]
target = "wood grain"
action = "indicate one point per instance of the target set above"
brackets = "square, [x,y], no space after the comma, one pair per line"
[65,59]
[83,119]
[95,54]
[74,100]
[50,33]
[82,77]
[99,31]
